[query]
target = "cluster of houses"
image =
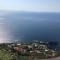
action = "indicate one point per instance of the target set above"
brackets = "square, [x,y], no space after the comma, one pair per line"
[33,48]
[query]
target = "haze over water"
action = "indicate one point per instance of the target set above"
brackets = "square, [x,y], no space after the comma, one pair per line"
[29,26]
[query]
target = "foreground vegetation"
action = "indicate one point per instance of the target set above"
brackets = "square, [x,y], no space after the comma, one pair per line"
[7,53]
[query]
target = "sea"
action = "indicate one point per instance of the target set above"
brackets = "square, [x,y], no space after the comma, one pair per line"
[29,26]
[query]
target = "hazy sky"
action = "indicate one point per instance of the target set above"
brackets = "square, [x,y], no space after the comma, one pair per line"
[30,5]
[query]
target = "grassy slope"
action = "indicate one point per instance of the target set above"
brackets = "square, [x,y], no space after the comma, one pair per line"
[4,55]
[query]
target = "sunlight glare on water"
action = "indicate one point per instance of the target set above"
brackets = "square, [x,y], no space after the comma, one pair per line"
[4,35]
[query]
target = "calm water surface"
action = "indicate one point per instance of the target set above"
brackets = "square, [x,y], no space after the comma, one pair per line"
[29,26]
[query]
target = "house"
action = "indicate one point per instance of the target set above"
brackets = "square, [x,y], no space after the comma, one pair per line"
[18,44]
[41,46]
[37,51]
[30,47]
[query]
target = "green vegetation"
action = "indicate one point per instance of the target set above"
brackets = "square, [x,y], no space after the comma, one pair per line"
[7,53]
[4,55]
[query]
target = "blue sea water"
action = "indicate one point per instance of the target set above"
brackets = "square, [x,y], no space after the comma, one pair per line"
[28,26]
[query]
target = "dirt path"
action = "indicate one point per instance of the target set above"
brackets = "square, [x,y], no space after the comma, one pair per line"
[57,58]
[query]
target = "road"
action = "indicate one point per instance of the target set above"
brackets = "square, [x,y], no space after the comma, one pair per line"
[57,58]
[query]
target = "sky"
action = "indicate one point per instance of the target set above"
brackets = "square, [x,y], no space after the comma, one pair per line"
[30,5]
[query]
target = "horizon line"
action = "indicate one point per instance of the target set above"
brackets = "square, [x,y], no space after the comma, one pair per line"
[30,11]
